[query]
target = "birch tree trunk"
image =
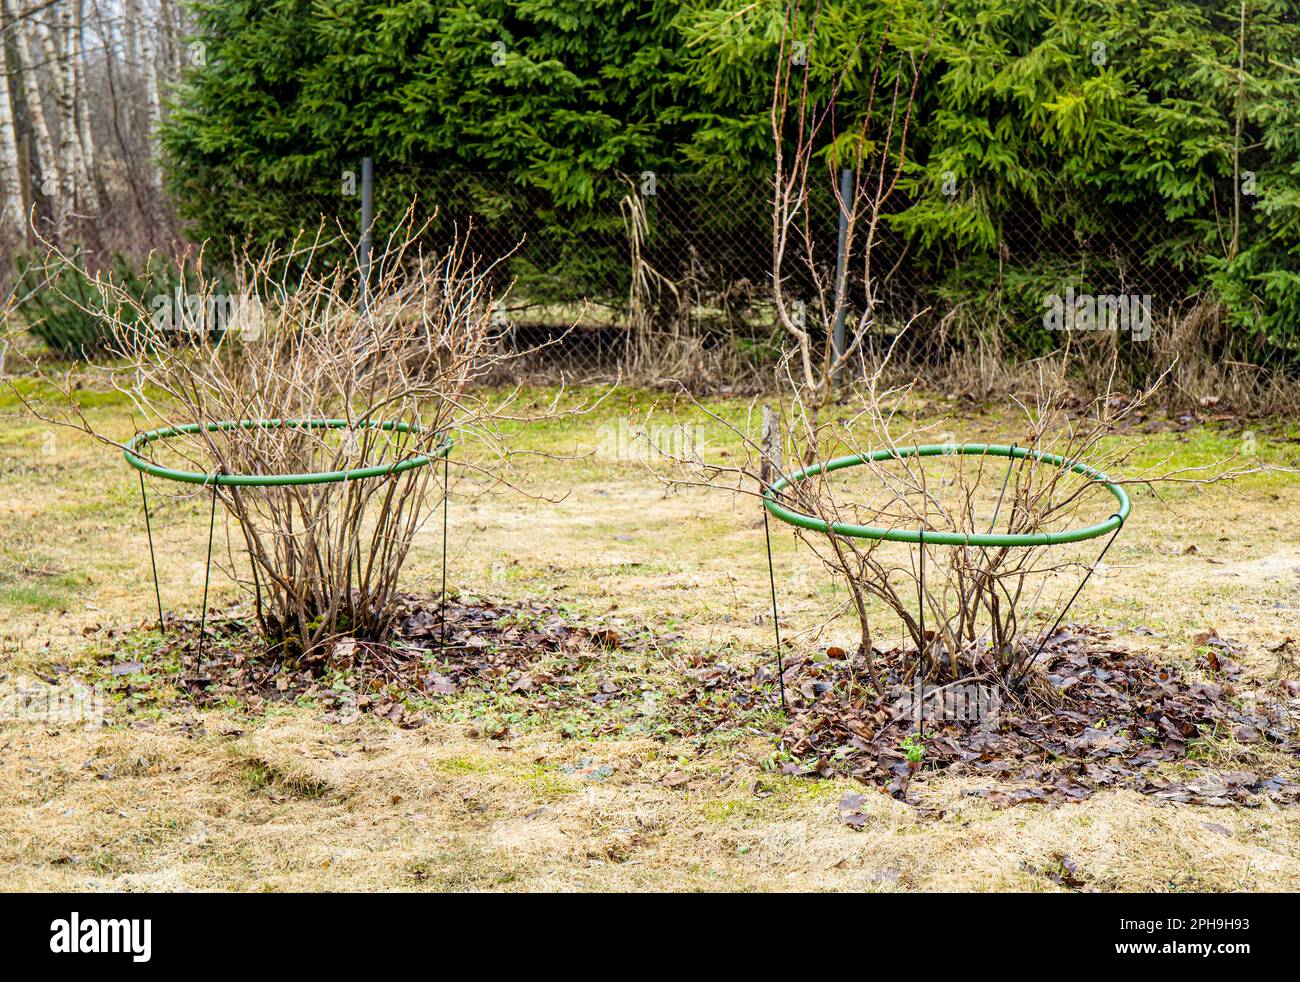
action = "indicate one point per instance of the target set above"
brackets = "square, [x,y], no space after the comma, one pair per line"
[13,211]
[169,22]
[54,41]
[89,173]
[153,104]
[48,179]
[131,37]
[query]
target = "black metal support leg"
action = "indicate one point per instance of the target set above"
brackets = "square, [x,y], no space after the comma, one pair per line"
[920,651]
[446,494]
[207,570]
[153,562]
[1011,462]
[776,619]
[1064,610]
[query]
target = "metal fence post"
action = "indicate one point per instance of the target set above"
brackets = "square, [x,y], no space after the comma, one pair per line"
[846,191]
[367,219]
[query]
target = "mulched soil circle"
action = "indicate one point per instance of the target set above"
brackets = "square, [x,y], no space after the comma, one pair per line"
[1107,718]
[523,647]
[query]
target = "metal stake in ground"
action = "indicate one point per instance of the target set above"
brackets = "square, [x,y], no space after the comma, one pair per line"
[776,619]
[367,220]
[1011,462]
[153,563]
[207,570]
[446,493]
[1074,596]
[920,650]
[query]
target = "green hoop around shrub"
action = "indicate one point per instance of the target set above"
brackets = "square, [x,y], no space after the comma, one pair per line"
[812,523]
[272,481]
[276,480]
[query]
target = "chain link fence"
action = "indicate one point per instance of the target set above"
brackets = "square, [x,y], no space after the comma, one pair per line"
[669,274]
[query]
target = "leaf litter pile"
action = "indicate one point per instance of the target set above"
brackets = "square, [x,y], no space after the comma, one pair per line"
[1099,717]
[524,648]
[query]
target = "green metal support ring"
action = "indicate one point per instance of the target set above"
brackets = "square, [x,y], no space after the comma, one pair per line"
[276,480]
[947,538]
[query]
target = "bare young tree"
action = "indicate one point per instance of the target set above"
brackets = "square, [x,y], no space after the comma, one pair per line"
[811,295]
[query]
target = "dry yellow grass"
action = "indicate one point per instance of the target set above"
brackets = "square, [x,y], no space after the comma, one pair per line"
[168,798]
[295,805]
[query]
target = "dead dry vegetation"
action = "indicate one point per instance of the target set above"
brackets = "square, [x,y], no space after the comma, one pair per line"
[608,763]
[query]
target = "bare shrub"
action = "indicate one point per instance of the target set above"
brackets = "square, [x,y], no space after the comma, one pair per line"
[966,609]
[292,342]
[970,612]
